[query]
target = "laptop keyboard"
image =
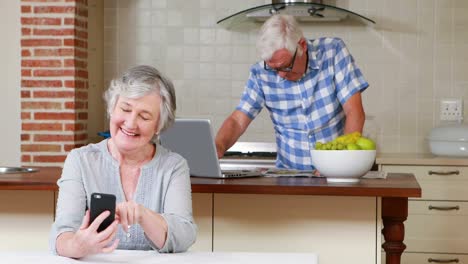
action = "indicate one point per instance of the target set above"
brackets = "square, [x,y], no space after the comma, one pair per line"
[240,174]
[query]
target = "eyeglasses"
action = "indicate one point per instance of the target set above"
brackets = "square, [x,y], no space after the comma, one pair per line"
[284,69]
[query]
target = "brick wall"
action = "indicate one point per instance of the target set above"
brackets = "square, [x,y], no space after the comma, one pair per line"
[54,79]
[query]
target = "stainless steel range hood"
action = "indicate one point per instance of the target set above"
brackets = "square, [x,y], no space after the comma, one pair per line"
[302,10]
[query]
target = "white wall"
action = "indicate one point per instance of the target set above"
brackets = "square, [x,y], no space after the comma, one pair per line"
[415,55]
[10,72]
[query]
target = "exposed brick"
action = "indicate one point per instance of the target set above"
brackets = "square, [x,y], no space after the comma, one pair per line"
[54,52]
[75,127]
[82,74]
[41,105]
[40,148]
[75,43]
[75,63]
[40,42]
[82,116]
[76,105]
[54,9]
[55,73]
[51,94]
[49,158]
[53,138]
[40,21]
[81,54]
[81,34]
[41,126]
[81,137]
[54,116]
[54,32]
[85,2]
[82,95]
[75,84]
[68,147]
[41,63]
[25,158]
[26,73]
[25,9]
[25,94]
[25,137]
[25,115]
[76,22]
[41,83]
[25,31]
[25,53]
[82,12]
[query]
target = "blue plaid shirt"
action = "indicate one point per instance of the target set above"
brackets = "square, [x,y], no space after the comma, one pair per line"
[307,110]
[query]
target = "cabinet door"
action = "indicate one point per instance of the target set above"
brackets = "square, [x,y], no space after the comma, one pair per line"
[202,204]
[421,258]
[338,229]
[435,226]
[437,182]
[25,220]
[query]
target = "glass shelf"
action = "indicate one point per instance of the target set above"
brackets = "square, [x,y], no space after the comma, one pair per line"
[303,12]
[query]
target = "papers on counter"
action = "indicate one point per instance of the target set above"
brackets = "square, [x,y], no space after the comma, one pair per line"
[289,173]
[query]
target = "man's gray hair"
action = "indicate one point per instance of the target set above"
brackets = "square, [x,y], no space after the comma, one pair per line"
[140,81]
[278,32]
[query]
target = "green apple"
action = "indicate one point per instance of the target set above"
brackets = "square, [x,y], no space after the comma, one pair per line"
[353,146]
[365,143]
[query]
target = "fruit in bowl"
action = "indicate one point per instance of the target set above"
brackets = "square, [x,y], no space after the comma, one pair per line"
[345,158]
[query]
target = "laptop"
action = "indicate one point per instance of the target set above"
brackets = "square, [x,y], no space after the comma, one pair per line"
[193,139]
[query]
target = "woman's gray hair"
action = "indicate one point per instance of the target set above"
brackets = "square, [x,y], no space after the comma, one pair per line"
[278,32]
[140,81]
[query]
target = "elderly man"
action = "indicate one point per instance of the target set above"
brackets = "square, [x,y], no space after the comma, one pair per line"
[312,89]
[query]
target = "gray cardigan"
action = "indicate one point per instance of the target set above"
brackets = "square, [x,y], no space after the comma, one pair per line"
[163,187]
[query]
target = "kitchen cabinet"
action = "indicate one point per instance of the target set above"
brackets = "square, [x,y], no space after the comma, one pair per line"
[202,206]
[293,223]
[436,229]
[25,219]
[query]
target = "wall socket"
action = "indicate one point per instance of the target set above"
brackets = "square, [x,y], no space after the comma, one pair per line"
[451,109]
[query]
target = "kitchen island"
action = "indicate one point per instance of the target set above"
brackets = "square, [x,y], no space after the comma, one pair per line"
[226,203]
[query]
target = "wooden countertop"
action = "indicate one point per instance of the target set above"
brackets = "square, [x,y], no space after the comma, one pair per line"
[419,159]
[396,185]
[45,179]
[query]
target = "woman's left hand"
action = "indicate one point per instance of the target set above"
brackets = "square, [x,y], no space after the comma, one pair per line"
[129,213]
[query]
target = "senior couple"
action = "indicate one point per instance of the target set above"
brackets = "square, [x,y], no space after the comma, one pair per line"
[311,88]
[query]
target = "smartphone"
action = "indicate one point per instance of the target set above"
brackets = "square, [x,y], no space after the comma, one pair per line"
[101,202]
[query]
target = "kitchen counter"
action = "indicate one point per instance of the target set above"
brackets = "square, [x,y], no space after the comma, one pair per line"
[396,185]
[416,159]
[45,179]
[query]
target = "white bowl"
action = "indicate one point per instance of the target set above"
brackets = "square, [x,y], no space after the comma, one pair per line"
[343,165]
[449,140]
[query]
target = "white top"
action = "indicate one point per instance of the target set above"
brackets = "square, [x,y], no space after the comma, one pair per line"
[163,187]
[137,256]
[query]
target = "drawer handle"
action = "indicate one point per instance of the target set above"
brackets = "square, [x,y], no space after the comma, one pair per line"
[444,208]
[455,172]
[443,260]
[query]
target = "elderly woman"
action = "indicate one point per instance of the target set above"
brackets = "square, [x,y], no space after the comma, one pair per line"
[151,184]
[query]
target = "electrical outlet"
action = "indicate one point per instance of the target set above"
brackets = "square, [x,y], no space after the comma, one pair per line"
[451,109]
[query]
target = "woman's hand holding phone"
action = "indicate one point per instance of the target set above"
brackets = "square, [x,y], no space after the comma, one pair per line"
[88,241]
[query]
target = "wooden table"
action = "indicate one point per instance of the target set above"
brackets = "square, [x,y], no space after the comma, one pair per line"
[394,192]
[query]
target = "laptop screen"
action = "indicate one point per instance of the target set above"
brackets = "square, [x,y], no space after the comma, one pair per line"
[193,139]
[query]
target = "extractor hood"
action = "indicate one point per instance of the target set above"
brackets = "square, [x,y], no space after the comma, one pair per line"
[302,10]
